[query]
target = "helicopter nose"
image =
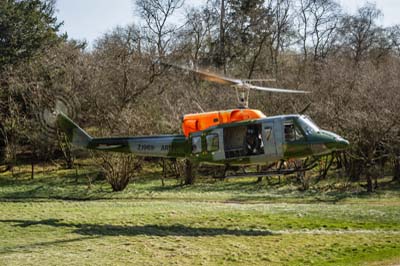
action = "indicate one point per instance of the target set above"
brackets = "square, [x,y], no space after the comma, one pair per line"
[342,144]
[338,144]
[333,141]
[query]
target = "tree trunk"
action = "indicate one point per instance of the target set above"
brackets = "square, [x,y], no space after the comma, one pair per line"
[76,174]
[396,169]
[189,173]
[339,163]
[176,168]
[32,169]
[327,163]
[221,52]
[260,178]
[369,183]
[2,153]
[354,170]
[164,172]
[12,171]
[369,180]
[66,149]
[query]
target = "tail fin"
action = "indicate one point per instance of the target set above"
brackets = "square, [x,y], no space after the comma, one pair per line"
[76,135]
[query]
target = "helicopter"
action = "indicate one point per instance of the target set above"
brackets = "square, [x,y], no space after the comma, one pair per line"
[236,137]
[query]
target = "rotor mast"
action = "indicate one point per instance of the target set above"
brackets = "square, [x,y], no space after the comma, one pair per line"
[242,95]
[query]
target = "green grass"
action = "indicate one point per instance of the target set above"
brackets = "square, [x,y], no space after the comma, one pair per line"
[56,220]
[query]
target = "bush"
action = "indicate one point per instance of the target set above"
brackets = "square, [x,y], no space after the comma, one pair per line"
[118,168]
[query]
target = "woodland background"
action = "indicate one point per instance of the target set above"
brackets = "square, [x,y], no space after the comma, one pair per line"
[349,62]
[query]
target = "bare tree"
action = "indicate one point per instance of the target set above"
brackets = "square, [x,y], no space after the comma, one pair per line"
[122,71]
[196,33]
[119,169]
[360,31]
[281,29]
[157,15]
[318,23]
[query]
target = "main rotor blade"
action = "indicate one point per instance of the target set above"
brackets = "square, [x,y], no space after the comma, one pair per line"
[205,75]
[259,80]
[273,89]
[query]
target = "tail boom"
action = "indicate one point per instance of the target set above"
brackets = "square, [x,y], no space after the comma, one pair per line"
[166,146]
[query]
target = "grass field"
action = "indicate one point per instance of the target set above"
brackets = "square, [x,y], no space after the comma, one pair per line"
[56,220]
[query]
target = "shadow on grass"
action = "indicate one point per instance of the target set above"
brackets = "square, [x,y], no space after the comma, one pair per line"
[213,185]
[18,248]
[66,185]
[148,230]
[49,179]
[312,197]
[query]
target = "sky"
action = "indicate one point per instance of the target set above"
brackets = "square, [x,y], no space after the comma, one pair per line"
[389,8]
[90,19]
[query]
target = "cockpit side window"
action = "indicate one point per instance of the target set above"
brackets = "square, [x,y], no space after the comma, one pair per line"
[292,132]
[308,125]
[299,135]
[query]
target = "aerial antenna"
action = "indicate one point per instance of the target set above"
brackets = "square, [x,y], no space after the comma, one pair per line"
[305,109]
[199,106]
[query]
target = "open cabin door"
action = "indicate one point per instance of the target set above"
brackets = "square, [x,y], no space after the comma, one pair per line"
[243,141]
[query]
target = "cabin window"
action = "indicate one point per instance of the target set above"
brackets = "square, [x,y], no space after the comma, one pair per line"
[292,132]
[212,142]
[196,144]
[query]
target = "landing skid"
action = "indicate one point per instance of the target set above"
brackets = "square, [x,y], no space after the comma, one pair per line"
[277,172]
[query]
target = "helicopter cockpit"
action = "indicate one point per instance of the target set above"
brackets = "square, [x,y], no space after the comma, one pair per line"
[297,128]
[308,125]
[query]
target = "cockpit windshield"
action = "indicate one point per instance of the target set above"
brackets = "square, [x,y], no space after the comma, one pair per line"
[308,125]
